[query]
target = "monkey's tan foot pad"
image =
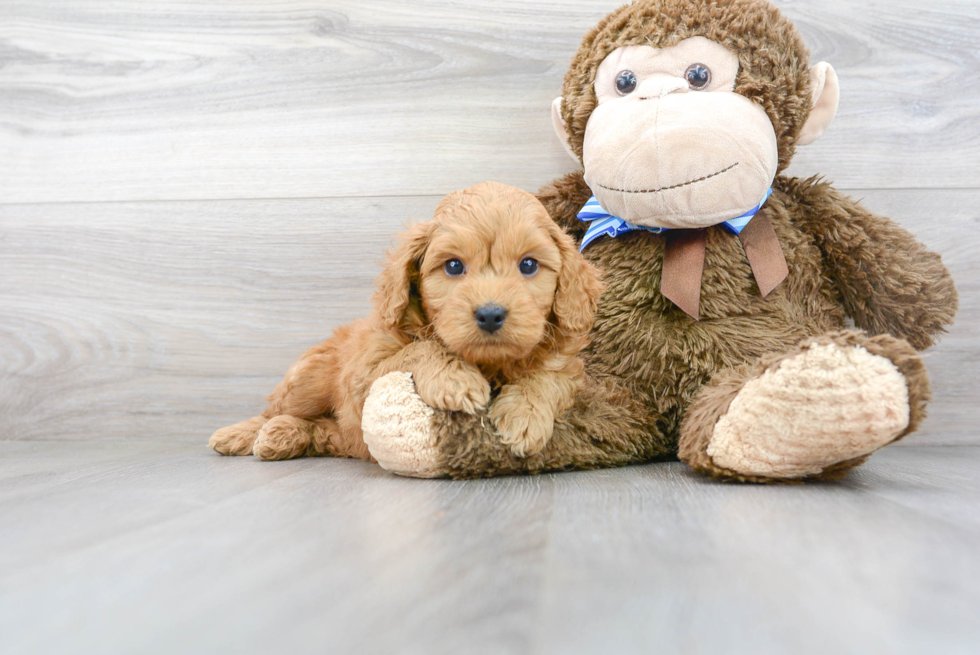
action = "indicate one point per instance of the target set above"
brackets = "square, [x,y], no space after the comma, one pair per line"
[825,405]
[398,431]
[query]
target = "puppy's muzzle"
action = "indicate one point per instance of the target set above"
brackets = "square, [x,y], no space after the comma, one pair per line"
[490,317]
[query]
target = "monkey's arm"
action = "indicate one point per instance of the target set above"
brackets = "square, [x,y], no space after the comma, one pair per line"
[564,199]
[888,281]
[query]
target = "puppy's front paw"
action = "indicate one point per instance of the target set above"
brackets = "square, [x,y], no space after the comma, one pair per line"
[522,427]
[459,387]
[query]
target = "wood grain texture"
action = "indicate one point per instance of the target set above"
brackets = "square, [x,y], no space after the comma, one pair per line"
[171,319]
[130,319]
[129,100]
[168,548]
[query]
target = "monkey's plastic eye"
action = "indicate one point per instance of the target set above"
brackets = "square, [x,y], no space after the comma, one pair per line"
[698,76]
[454,268]
[625,83]
[528,266]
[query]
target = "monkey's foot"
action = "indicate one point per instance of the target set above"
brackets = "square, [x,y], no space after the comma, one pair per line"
[398,428]
[815,412]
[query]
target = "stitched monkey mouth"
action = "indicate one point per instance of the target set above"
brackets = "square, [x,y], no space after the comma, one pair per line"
[675,186]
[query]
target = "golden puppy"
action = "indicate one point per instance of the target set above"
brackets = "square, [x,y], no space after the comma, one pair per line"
[489,299]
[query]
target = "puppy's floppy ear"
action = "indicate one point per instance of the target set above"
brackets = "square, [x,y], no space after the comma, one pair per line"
[397,299]
[579,286]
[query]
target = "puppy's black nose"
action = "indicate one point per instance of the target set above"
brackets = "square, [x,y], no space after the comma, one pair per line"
[490,318]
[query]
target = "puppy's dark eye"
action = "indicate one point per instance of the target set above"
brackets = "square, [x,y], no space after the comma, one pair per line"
[625,83]
[528,266]
[454,268]
[698,77]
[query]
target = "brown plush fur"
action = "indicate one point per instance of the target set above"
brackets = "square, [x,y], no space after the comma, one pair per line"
[424,323]
[650,363]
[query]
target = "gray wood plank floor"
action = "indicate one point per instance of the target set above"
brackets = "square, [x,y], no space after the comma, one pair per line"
[131,547]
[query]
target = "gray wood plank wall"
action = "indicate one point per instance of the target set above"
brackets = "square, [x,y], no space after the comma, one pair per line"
[191,194]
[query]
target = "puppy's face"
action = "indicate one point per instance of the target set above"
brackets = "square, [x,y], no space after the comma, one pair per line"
[489,275]
[492,275]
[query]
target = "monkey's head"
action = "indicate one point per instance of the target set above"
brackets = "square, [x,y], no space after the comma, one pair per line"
[682,112]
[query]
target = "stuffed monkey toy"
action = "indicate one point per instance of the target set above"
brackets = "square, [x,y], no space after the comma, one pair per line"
[721,337]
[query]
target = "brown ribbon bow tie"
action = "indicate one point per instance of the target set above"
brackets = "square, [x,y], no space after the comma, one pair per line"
[683,266]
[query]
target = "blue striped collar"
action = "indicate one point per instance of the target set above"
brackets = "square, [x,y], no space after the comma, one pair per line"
[602,223]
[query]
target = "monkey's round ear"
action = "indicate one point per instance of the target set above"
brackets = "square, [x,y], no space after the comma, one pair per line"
[559,124]
[826,97]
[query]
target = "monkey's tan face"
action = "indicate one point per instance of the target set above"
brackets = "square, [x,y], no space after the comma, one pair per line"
[670,143]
